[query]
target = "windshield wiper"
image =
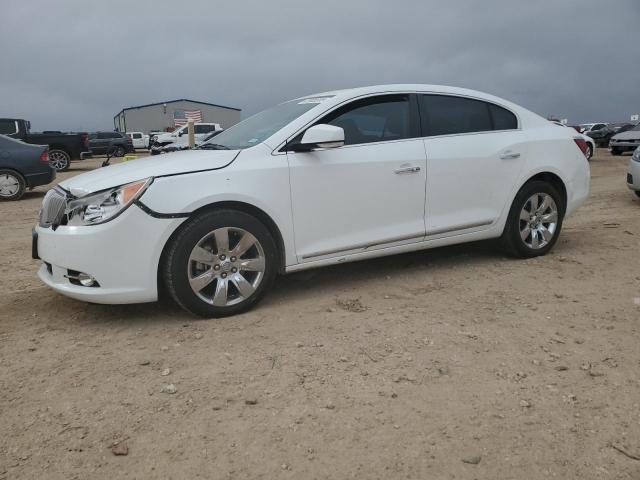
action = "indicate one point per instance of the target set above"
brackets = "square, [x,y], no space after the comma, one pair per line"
[213,146]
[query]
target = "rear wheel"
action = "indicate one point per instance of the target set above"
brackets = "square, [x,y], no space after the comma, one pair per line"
[59,160]
[534,220]
[589,151]
[221,263]
[12,185]
[119,151]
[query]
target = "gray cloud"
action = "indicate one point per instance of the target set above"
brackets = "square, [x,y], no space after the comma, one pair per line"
[74,65]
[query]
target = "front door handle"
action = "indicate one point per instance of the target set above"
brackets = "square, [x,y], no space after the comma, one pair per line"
[407,169]
[509,155]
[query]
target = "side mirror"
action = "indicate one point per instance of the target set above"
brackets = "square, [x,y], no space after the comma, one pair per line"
[320,136]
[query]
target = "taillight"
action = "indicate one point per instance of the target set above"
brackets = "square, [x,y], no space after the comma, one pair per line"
[582,145]
[85,140]
[44,156]
[129,140]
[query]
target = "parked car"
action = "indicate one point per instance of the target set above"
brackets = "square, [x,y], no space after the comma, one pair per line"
[175,147]
[139,139]
[603,136]
[22,166]
[63,147]
[180,134]
[320,180]
[633,173]
[626,141]
[116,143]
[591,146]
[588,127]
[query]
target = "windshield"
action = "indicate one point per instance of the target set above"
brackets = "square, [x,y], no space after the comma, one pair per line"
[261,126]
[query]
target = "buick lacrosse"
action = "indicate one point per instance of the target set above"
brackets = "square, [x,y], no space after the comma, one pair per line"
[324,179]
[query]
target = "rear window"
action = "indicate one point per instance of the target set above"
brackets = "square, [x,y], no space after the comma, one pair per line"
[7,127]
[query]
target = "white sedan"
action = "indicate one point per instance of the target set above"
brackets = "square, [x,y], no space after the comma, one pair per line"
[324,179]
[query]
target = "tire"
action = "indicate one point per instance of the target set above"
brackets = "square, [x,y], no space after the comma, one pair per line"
[59,160]
[119,151]
[616,151]
[519,239]
[589,151]
[637,192]
[219,266]
[12,185]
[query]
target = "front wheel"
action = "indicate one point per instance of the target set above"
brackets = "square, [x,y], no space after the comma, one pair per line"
[119,152]
[221,263]
[534,221]
[59,160]
[616,151]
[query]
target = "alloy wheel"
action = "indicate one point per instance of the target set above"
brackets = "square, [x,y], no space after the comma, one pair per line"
[538,220]
[58,160]
[226,266]
[9,185]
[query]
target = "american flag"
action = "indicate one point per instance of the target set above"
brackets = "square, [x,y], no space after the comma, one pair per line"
[181,117]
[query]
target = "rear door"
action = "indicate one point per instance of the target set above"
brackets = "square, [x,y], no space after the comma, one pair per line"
[475,152]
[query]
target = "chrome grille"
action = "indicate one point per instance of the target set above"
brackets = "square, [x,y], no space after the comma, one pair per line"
[53,207]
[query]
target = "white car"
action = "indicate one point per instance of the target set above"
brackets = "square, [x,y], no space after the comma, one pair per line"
[588,127]
[139,139]
[180,134]
[324,179]
[633,173]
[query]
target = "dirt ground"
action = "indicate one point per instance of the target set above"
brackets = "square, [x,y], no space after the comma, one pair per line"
[450,363]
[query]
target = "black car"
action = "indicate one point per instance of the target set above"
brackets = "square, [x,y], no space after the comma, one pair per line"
[115,143]
[63,147]
[602,136]
[22,166]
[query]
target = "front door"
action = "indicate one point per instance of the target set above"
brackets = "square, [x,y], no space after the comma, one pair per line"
[367,194]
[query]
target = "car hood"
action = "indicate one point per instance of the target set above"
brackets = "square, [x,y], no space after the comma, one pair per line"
[155,166]
[628,135]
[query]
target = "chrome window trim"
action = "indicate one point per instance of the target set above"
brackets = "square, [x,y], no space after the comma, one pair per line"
[276,151]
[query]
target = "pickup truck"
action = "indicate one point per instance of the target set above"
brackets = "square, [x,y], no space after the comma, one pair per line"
[63,147]
[179,135]
[139,139]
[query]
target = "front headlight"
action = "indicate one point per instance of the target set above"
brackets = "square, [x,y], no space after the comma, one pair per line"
[100,207]
[636,155]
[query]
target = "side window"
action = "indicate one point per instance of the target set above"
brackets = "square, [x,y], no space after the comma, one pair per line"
[373,119]
[103,135]
[503,119]
[137,135]
[7,127]
[446,115]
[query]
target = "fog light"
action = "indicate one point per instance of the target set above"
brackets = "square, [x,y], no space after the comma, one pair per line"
[82,279]
[86,280]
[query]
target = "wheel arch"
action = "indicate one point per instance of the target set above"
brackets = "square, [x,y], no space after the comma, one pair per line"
[57,146]
[554,180]
[232,205]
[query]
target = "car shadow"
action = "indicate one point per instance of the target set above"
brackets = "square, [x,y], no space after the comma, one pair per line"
[299,285]
[354,274]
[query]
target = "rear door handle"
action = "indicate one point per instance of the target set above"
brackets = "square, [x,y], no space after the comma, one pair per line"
[509,155]
[406,169]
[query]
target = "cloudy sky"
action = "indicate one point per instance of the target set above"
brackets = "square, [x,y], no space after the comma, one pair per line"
[75,64]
